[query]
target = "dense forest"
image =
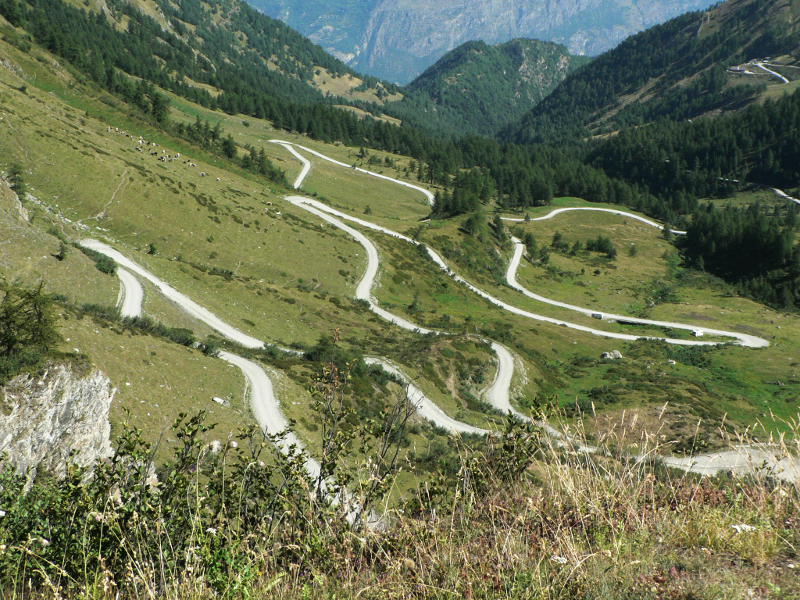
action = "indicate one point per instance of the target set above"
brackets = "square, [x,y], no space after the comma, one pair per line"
[708,157]
[755,251]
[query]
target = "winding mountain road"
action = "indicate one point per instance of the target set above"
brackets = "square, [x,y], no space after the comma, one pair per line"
[330,215]
[131,295]
[265,405]
[498,395]
[749,341]
[307,167]
[785,196]
[763,66]
[263,401]
[318,208]
[498,392]
[613,211]
[186,304]
[425,407]
[266,408]
[743,460]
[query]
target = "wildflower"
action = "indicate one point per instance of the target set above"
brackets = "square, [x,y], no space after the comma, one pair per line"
[741,528]
[234,444]
[559,559]
[212,530]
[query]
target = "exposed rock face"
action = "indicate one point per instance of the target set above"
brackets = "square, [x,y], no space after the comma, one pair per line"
[7,192]
[56,417]
[398,39]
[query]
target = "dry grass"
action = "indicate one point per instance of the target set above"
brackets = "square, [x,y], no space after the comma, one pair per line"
[572,526]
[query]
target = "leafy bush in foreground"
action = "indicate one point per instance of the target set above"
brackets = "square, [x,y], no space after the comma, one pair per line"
[521,518]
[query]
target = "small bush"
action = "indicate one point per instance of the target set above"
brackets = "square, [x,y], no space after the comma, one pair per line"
[106,265]
[103,263]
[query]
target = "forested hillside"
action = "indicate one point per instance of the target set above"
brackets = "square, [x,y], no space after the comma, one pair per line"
[675,70]
[223,54]
[480,88]
[716,157]
[709,157]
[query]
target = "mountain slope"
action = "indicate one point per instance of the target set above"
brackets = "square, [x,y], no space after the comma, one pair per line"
[676,70]
[223,51]
[485,87]
[397,40]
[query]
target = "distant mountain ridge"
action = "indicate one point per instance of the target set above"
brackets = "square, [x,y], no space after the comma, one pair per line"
[398,39]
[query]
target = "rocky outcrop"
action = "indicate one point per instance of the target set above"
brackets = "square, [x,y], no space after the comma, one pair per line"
[56,417]
[397,40]
[7,194]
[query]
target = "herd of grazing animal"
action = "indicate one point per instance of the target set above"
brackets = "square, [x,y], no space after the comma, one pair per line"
[162,156]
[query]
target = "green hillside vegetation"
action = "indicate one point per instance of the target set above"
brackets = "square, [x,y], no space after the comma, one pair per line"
[81,172]
[675,70]
[224,55]
[187,184]
[482,88]
[209,255]
[155,378]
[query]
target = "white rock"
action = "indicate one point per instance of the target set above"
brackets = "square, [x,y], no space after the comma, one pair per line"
[50,416]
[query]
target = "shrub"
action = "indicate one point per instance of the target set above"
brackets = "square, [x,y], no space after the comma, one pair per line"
[602,244]
[103,263]
[28,331]
[17,180]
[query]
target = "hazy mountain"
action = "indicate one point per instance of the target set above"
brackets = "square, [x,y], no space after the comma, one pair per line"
[398,39]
